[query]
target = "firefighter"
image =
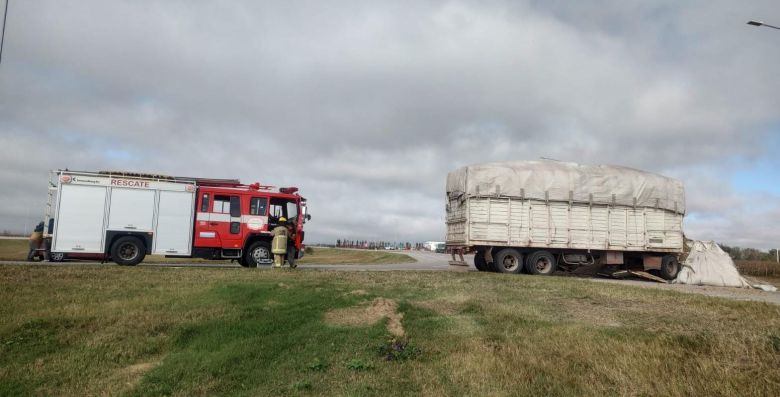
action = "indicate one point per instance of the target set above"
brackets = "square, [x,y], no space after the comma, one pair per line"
[279,243]
[36,238]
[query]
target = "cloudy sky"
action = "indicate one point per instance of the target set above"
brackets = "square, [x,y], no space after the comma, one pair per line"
[366,105]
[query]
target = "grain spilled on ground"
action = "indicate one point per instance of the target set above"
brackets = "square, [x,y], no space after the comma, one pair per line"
[363,315]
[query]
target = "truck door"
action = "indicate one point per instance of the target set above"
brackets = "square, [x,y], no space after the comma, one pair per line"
[174,223]
[225,221]
[293,212]
[299,224]
[80,218]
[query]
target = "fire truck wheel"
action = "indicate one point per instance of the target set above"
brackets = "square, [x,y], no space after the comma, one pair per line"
[128,251]
[669,267]
[56,256]
[541,262]
[508,260]
[257,252]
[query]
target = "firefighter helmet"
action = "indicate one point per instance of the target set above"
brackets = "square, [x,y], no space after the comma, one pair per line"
[282,219]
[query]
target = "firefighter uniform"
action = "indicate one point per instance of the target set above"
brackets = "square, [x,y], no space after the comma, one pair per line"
[36,238]
[279,243]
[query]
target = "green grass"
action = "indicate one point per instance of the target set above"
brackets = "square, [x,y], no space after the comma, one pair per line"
[16,250]
[110,330]
[13,250]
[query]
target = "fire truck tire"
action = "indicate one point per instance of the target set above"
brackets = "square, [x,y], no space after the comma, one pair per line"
[128,251]
[508,260]
[541,262]
[669,267]
[257,251]
[56,256]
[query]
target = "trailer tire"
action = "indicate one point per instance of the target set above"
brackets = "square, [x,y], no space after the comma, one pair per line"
[128,251]
[508,260]
[479,261]
[257,251]
[669,267]
[541,262]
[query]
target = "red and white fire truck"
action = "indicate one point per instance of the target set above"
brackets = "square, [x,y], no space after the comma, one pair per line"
[125,216]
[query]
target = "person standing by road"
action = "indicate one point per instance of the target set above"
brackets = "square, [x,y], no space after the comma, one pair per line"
[279,243]
[36,238]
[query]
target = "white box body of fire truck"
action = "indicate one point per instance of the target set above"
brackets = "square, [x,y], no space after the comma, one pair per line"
[90,209]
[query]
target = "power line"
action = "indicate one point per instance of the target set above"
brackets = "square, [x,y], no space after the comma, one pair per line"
[2,38]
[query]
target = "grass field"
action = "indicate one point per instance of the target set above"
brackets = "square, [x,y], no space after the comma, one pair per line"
[87,330]
[13,250]
[16,250]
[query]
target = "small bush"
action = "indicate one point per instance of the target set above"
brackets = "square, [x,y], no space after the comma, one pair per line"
[359,365]
[308,250]
[398,350]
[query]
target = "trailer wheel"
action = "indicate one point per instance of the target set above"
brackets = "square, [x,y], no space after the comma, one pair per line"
[541,262]
[669,267]
[479,261]
[128,251]
[508,260]
[257,252]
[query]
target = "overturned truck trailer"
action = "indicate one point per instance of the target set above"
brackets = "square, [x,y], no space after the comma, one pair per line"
[541,216]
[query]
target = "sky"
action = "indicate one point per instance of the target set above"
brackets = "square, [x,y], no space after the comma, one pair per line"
[367,105]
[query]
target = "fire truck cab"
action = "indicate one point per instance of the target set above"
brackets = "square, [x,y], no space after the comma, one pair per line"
[235,222]
[125,216]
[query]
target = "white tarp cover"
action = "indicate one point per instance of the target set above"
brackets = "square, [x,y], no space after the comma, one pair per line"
[561,181]
[708,264]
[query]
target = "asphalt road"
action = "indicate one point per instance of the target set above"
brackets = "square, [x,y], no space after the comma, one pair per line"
[429,261]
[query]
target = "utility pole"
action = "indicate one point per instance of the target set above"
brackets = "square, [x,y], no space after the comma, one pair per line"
[2,36]
[759,23]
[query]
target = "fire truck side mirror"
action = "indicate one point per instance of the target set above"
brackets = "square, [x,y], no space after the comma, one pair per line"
[308,217]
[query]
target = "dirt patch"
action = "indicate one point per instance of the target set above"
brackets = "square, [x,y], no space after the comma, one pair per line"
[376,310]
[358,292]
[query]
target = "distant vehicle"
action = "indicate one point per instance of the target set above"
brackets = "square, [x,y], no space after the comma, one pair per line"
[440,248]
[540,216]
[126,216]
[431,245]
